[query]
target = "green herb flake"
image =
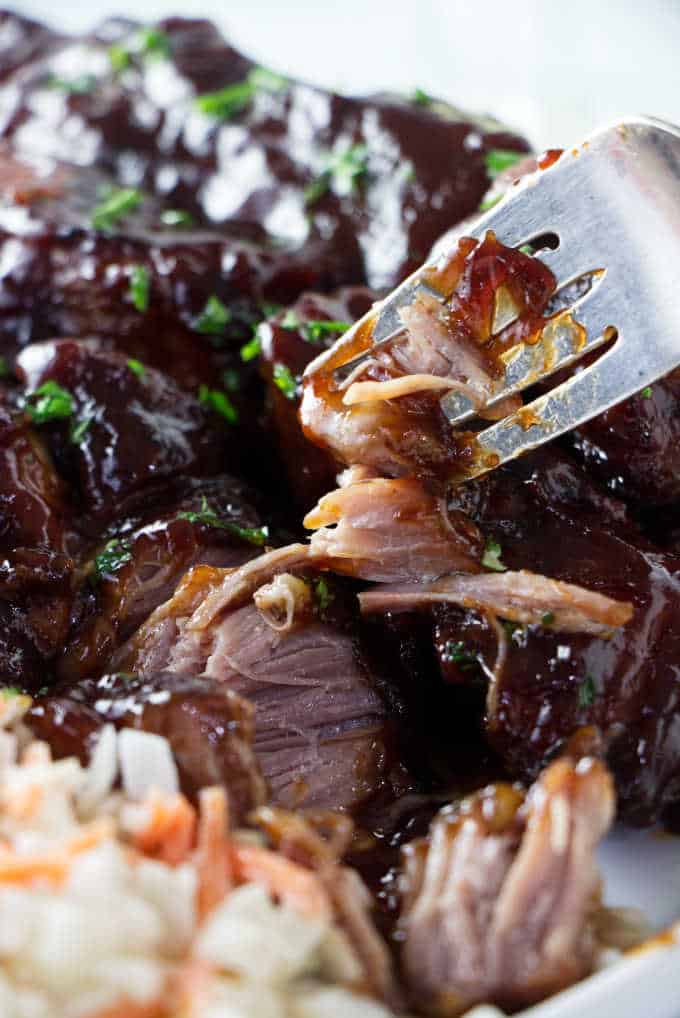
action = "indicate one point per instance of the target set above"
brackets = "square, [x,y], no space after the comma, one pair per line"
[119,58]
[587,692]
[269,309]
[5,370]
[316,329]
[646,392]
[226,102]
[290,321]
[253,535]
[113,556]
[80,85]
[323,594]
[49,403]
[548,619]
[250,350]
[151,42]
[177,218]
[207,517]
[526,249]
[117,204]
[498,159]
[136,367]
[455,652]
[9,692]
[491,559]
[342,170]
[79,429]
[284,380]
[267,80]
[219,402]
[140,284]
[489,203]
[421,98]
[214,318]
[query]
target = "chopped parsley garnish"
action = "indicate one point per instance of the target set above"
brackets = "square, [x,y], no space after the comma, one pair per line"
[231,380]
[9,692]
[455,652]
[80,85]
[207,517]
[218,401]
[526,249]
[136,367]
[316,329]
[251,349]
[489,203]
[342,170]
[586,692]
[498,159]
[226,102]
[491,559]
[290,321]
[113,556]
[323,594]
[79,430]
[119,58]
[177,217]
[148,42]
[151,42]
[214,317]
[5,371]
[269,309]
[49,403]
[284,380]
[646,392]
[421,98]
[232,99]
[140,283]
[548,619]
[267,80]
[115,206]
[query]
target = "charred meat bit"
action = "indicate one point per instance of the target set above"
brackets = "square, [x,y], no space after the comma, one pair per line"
[209,728]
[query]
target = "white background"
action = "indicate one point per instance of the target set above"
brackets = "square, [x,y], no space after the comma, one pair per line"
[554,68]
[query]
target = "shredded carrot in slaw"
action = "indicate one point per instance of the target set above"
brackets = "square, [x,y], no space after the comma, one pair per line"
[212,855]
[171,831]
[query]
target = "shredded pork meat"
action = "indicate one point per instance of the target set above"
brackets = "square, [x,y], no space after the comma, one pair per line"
[498,899]
[390,530]
[521,596]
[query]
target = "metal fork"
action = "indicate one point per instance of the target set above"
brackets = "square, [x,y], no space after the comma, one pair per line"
[614,205]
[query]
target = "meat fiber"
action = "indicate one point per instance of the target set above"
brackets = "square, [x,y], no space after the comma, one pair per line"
[498,898]
[516,596]
[321,733]
[390,530]
[387,415]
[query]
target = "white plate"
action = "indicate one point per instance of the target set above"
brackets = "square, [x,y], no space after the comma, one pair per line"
[526,69]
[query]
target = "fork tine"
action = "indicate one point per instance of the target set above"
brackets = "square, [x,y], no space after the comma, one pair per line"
[554,351]
[570,404]
[566,262]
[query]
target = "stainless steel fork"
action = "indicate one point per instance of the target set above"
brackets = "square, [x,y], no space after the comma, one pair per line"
[613,203]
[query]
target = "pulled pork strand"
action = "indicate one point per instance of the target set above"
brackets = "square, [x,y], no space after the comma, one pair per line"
[498,900]
[520,596]
[390,530]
